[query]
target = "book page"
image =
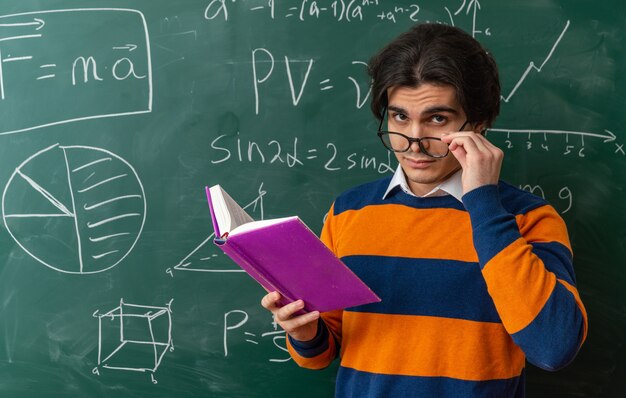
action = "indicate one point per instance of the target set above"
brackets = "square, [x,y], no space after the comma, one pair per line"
[259,225]
[228,213]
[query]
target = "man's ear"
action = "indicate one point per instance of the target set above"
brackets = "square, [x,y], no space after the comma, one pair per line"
[480,128]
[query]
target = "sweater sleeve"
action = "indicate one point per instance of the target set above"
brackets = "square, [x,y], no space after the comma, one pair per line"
[320,352]
[526,261]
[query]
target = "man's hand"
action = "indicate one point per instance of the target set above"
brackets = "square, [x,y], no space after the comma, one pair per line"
[301,327]
[480,159]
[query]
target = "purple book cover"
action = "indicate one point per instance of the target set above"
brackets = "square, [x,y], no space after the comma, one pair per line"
[289,258]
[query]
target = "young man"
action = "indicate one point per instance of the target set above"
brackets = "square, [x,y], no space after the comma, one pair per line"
[475,275]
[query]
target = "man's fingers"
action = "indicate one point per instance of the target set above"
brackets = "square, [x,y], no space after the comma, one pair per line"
[467,143]
[293,324]
[286,312]
[468,140]
[269,301]
[471,142]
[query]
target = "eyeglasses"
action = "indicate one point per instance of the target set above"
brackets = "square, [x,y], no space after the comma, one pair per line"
[430,146]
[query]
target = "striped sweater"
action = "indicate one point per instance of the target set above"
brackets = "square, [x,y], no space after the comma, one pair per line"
[469,292]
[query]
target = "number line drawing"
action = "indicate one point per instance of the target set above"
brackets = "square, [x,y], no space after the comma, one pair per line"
[608,137]
[88,210]
[142,317]
[148,108]
[184,264]
[532,65]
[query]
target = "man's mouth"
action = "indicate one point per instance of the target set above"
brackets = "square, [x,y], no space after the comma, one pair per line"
[419,163]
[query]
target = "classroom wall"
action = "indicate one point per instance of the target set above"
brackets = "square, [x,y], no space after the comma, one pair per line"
[114,116]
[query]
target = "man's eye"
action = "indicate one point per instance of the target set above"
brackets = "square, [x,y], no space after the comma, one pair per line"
[439,119]
[399,117]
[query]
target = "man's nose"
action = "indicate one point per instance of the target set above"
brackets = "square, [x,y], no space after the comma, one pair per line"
[416,131]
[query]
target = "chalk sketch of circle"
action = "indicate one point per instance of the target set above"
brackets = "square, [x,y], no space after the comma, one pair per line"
[75,209]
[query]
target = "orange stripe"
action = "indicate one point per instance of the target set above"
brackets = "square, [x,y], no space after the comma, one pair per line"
[519,284]
[333,320]
[329,226]
[543,222]
[449,239]
[580,304]
[319,362]
[429,346]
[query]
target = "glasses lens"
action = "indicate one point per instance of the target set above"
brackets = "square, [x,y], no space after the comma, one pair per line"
[435,147]
[394,142]
[398,143]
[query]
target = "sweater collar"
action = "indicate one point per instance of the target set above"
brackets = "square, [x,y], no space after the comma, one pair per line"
[452,186]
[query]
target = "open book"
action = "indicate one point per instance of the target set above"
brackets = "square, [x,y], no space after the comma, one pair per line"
[284,255]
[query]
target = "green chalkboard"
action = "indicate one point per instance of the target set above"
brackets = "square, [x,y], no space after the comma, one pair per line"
[114,115]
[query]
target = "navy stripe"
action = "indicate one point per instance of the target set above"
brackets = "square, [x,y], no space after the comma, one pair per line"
[556,258]
[553,338]
[353,383]
[517,201]
[514,200]
[493,236]
[314,347]
[407,286]
[372,194]
[361,196]
[493,227]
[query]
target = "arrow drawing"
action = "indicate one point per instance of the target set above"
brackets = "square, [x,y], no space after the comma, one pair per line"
[532,66]
[608,137]
[473,6]
[40,23]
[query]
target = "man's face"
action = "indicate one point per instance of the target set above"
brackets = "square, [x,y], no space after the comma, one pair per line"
[427,110]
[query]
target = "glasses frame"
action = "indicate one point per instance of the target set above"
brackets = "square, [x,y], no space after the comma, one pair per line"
[411,140]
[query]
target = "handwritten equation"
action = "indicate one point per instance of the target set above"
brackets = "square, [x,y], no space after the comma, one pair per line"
[229,148]
[264,66]
[236,328]
[60,72]
[342,11]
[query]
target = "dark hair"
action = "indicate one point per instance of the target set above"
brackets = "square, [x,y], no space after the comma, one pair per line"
[442,55]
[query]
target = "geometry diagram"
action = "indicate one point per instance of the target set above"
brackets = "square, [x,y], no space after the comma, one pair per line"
[134,337]
[71,65]
[75,209]
[204,256]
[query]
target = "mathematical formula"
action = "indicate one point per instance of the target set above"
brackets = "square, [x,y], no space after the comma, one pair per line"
[76,81]
[235,328]
[341,11]
[229,148]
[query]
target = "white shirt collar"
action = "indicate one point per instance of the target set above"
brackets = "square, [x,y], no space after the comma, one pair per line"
[452,186]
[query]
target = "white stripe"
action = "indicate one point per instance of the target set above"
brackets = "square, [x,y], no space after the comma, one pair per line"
[97,224]
[102,182]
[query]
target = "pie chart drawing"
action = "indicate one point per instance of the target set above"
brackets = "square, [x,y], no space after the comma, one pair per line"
[75,209]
